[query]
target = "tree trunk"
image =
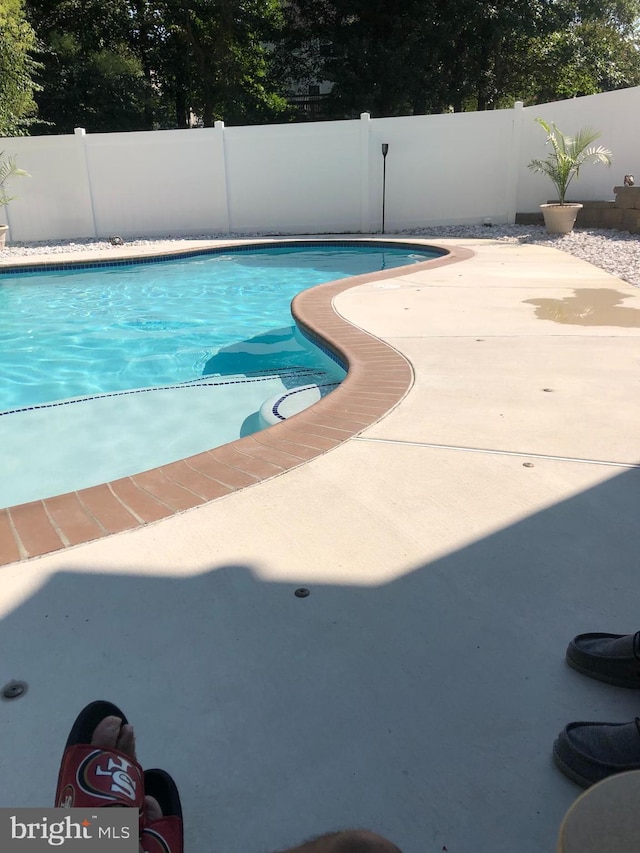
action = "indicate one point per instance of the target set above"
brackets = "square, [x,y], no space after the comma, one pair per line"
[182,108]
[208,112]
[143,53]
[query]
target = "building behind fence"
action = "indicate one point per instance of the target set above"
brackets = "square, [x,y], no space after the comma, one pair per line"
[310,178]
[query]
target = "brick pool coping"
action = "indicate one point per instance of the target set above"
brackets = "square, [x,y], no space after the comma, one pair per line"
[378,378]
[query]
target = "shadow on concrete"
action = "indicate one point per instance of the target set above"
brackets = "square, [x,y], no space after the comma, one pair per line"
[425,708]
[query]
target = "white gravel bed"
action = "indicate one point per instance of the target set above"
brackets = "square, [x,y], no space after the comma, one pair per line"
[617,252]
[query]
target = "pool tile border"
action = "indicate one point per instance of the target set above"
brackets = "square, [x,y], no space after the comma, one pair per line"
[378,378]
[25,266]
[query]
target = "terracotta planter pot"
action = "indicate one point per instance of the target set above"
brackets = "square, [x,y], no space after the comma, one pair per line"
[560,218]
[3,234]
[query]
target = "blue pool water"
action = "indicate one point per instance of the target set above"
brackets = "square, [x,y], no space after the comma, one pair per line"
[92,331]
[107,372]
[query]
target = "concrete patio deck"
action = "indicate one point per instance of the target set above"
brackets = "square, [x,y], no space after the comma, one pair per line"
[451,550]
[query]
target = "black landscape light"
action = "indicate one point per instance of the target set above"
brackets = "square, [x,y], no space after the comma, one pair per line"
[385,151]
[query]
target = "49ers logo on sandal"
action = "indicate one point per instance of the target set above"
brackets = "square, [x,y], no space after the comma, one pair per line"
[111,777]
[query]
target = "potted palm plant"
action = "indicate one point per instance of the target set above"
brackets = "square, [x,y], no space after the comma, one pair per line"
[8,170]
[568,155]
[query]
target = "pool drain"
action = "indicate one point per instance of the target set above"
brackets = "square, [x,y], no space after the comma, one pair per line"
[14,690]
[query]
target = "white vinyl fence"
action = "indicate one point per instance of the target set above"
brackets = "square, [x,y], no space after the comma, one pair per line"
[322,177]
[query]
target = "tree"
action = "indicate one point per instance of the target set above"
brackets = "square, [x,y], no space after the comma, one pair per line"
[92,72]
[224,44]
[17,69]
[379,55]
[399,57]
[138,64]
[583,59]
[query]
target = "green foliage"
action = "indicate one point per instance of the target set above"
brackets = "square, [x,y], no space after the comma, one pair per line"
[93,75]
[404,57]
[224,45]
[581,60]
[8,170]
[102,89]
[568,155]
[17,69]
[390,57]
[138,65]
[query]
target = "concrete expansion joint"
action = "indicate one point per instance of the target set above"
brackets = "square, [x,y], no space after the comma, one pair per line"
[497,337]
[497,452]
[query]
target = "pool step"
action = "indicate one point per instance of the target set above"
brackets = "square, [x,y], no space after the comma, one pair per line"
[278,408]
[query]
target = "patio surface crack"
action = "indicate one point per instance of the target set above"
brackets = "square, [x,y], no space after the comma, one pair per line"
[497,452]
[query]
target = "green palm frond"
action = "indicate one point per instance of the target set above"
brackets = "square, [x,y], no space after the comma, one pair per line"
[8,169]
[569,154]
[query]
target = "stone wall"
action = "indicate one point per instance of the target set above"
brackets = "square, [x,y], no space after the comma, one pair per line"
[622,214]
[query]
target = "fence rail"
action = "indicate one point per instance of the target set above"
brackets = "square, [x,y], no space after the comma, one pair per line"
[318,177]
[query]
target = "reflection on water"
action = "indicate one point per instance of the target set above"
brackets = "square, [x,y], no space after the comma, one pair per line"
[588,307]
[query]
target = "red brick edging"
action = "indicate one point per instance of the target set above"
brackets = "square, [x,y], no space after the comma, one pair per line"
[378,378]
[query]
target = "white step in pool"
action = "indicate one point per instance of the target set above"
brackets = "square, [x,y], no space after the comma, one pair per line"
[282,406]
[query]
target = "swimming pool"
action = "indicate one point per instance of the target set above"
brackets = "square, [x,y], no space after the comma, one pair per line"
[132,366]
[79,332]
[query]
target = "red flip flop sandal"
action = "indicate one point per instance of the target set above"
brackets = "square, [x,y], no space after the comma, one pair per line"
[164,835]
[91,776]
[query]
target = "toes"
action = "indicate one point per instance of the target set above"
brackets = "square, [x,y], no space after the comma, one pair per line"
[152,810]
[111,734]
[107,732]
[126,740]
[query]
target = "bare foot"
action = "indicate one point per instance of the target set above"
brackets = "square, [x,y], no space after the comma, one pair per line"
[110,733]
